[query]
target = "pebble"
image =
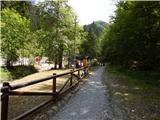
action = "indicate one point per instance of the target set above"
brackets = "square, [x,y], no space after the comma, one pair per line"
[88,103]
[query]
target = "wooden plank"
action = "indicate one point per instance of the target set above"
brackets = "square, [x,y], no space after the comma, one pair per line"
[20,93]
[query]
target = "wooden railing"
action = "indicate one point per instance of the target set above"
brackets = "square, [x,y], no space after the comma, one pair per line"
[9,90]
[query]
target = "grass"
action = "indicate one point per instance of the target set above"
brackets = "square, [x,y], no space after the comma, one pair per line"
[135,93]
[4,74]
[16,72]
[144,78]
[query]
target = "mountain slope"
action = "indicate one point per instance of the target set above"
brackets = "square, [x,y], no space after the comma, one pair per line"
[96,25]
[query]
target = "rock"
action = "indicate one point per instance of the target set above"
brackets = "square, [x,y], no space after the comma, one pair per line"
[55,108]
[132,110]
[50,112]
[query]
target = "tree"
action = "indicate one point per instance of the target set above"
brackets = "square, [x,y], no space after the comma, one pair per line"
[132,36]
[58,19]
[91,46]
[22,7]
[48,29]
[14,34]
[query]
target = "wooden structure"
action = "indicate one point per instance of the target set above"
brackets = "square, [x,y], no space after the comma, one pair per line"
[9,90]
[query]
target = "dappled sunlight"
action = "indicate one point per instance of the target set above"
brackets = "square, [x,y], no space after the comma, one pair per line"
[24,103]
[115,85]
[92,73]
[45,86]
[96,85]
[88,103]
[116,40]
[118,93]
[39,75]
[136,88]
[132,97]
[82,111]
[125,96]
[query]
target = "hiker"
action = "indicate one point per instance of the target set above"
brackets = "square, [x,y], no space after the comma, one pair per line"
[37,60]
[78,63]
[85,64]
[95,62]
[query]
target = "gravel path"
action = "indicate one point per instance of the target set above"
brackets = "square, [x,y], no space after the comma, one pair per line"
[89,103]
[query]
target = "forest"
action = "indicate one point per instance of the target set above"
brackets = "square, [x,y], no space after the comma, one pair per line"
[122,60]
[51,29]
[132,37]
[47,29]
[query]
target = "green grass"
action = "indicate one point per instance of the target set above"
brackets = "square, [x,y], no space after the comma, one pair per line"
[134,90]
[143,78]
[4,74]
[16,72]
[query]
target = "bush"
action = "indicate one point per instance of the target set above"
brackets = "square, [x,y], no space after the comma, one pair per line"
[16,72]
[4,74]
[147,77]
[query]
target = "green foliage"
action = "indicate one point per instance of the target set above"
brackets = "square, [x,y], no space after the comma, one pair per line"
[16,72]
[91,45]
[49,29]
[131,39]
[15,29]
[98,27]
[37,43]
[22,7]
[58,19]
[4,74]
[145,78]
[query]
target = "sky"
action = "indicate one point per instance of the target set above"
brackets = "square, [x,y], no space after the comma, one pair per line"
[92,10]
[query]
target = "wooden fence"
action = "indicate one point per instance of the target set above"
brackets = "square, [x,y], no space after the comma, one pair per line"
[9,90]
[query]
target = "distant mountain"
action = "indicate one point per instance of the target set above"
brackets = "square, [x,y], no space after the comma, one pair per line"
[96,25]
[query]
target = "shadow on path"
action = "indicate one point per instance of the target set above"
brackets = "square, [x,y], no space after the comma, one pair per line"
[89,103]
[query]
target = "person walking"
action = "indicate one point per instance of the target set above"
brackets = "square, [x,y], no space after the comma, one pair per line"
[85,64]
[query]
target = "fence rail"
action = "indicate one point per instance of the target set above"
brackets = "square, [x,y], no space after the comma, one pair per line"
[9,90]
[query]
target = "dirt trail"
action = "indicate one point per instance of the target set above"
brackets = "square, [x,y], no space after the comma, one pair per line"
[104,96]
[20,104]
[89,103]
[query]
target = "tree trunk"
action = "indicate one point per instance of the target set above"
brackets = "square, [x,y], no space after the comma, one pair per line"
[68,61]
[8,63]
[55,62]
[60,59]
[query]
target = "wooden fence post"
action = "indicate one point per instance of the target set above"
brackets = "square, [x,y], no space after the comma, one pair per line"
[4,100]
[78,73]
[54,84]
[87,69]
[71,77]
